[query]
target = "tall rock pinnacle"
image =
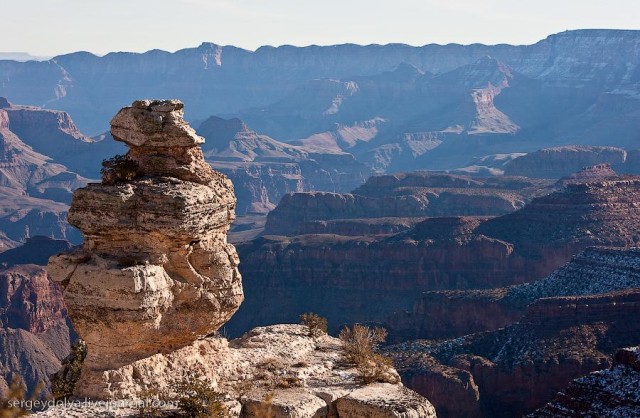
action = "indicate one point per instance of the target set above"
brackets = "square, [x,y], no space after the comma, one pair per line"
[155,271]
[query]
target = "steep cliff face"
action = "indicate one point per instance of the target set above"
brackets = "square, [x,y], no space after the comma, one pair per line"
[554,163]
[519,368]
[367,278]
[34,336]
[612,392]
[568,88]
[439,314]
[52,133]
[34,190]
[155,257]
[361,279]
[604,212]
[28,171]
[403,195]
[29,300]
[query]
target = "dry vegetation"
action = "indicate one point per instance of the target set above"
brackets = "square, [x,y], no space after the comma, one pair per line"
[118,169]
[316,324]
[197,398]
[13,401]
[360,343]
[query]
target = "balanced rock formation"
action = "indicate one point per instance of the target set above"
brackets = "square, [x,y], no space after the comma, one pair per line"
[155,271]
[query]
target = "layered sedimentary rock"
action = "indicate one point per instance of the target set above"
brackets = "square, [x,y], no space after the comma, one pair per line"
[439,314]
[554,163]
[611,393]
[155,271]
[588,174]
[419,194]
[603,212]
[54,134]
[367,278]
[34,336]
[519,368]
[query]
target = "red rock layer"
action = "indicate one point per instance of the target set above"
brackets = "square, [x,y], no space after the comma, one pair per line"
[519,368]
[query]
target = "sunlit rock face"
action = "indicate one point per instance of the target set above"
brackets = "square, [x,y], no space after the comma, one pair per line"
[155,271]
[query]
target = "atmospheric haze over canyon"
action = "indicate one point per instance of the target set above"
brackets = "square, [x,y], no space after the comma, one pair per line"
[324,231]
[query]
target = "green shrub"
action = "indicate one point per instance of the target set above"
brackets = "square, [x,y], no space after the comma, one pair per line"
[64,381]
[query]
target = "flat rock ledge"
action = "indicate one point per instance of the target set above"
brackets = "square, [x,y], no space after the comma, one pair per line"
[278,368]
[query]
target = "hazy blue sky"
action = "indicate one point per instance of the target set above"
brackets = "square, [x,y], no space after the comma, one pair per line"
[50,27]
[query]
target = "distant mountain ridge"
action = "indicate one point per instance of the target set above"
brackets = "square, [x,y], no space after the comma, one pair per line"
[214,79]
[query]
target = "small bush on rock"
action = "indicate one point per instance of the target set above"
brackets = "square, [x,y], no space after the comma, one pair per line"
[64,381]
[359,343]
[197,399]
[118,169]
[317,325]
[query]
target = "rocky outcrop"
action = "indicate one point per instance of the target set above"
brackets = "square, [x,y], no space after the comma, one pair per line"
[521,367]
[384,400]
[588,174]
[279,368]
[155,271]
[34,336]
[440,314]
[612,392]
[419,194]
